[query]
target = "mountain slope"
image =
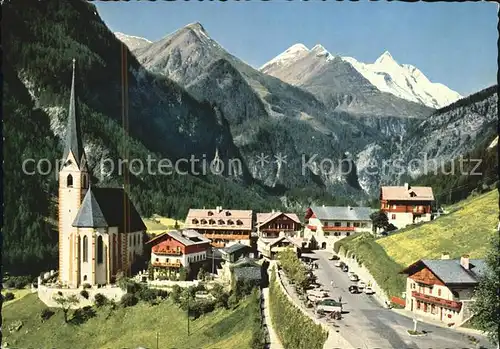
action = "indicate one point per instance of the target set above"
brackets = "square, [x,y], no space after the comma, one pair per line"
[164,122]
[404,81]
[449,133]
[266,115]
[338,84]
[132,42]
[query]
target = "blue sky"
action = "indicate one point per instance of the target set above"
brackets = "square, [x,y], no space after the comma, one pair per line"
[451,43]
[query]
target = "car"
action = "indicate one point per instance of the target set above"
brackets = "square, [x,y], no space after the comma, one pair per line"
[353,277]
[368,290]
[354,289]
[345,268]
[361,284]
[339,264]
[350,273]
[334,258]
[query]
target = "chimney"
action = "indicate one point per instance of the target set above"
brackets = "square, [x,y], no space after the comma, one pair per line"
[218,208]
[407,186]
[445,255]
[349,207]
[464,261]
[323,205]
[272,211]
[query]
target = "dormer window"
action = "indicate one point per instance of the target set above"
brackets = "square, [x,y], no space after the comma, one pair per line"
[69,181]
[413,194]
[212,221]
[228,213]
[210,213]
[239,222]
[195,221]
[221,222]
[203,221]
[230,222]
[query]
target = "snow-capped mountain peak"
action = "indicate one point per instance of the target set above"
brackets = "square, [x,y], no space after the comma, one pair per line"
[289,56]
[404,81]
[132,42]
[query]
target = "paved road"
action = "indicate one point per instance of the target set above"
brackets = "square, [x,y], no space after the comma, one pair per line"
[368,325]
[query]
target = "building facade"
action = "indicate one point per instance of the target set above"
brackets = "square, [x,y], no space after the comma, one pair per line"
[442,289]
[223,227]
[406,205]
[328,224]
[175,249]
[270,248]
[100,231]
[276,224]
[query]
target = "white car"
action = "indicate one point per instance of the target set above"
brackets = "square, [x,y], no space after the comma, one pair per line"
[353,277]
[351,273]
[361,285]
[338,263]
[368,290]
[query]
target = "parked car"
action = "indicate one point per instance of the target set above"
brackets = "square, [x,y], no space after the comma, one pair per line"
[334,258]
[353,277]
[339,263]
[345,268]
[361,285]
[369,290]
[353,289]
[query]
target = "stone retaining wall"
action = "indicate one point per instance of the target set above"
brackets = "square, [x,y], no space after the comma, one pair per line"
[46,295]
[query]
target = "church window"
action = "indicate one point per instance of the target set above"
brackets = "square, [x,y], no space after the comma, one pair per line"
[100,250]
[69,181]
[85,249]
[84,277]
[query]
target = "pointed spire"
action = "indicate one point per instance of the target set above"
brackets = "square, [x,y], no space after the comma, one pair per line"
[73,139]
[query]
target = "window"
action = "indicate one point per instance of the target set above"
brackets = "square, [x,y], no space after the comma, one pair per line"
[194,221]
[337,224]
[439,292]
[356,225]
[425,307]
[418,304]
[394,206]
[211,221]
[228,213]
[221,222]
[84,181]
[430,290]
[210,213]
[347,234]
[239,222]
[230,222]
[69,181]
[363,225]
[135,240]
[348,224]
[157,259]
[85,249]
[433,309]
[393,216]
[100,250]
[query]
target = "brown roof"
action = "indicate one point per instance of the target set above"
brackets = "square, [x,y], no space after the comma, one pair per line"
[219,219]
[263,218]
[185,237]
[411,194]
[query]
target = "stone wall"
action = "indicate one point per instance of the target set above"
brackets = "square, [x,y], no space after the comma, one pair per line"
[46,295]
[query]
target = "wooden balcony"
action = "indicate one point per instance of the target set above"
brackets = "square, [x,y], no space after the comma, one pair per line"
[167,264]
[338,228]
[227,236]
[436,300]
[276,230]
[168,252]
[218,244]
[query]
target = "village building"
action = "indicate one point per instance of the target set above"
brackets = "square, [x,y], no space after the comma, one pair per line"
[443,289]
[328,224]
[100,231]
[235,252]
[270,248]
[173,250]
[276,224]
[405,205]
[223,227]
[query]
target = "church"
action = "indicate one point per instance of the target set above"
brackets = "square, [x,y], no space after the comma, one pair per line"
[100,231]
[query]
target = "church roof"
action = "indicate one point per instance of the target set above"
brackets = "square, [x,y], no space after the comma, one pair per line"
[106,207]
[73,140]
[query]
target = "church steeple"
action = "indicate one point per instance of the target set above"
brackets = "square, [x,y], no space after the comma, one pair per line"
[73,139]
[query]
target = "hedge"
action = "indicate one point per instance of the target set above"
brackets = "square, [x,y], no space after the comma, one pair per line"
[294,329]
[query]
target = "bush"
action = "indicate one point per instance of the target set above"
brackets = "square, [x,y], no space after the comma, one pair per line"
[232,301]
[45,314]
[146,294]
[100,300]
[84,294]
[9,296]
[129,300]
[175,294]
[86,286]
[163,294]
[9,283]
[82,315]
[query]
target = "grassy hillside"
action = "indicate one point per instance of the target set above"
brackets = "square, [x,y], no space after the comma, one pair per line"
[464,231]
[128,327]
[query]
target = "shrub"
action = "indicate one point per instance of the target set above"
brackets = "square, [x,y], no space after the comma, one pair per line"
[82,315]
[9,283]
[45,314]
[147,294]
[100,300]
[86,286]
[163,294]
[84,294]
[9,296]
[129,300]
[232,301]
[175,294]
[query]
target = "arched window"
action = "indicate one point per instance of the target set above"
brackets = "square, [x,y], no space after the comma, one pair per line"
[85,249]
[69,181]
[84,181]
[100,250]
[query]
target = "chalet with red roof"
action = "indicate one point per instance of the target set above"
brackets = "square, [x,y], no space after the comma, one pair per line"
[276,224]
